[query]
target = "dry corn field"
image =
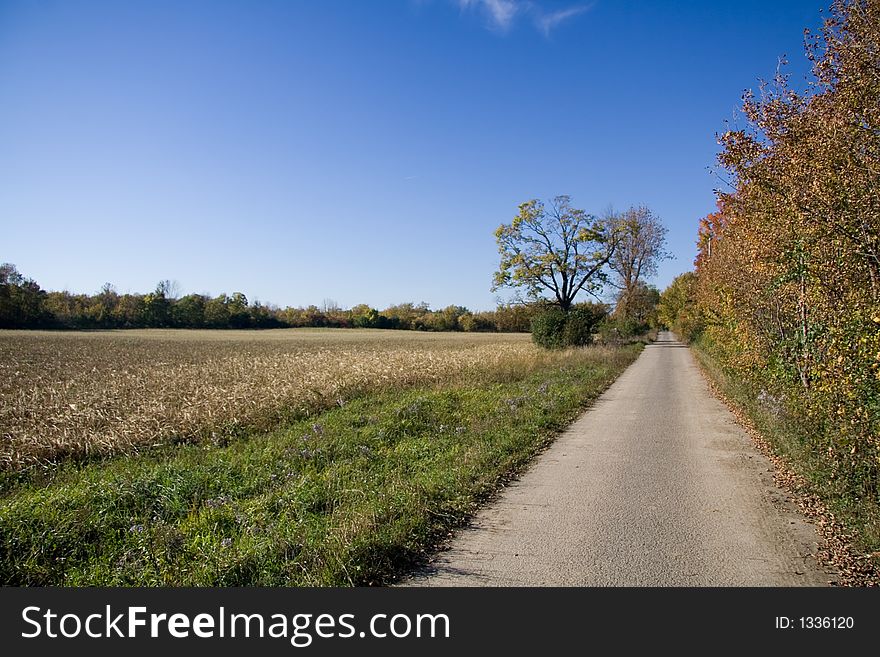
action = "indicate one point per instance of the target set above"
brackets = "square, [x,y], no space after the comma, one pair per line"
[81,394]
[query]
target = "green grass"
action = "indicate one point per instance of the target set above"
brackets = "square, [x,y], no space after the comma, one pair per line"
[346,497]
[796,438]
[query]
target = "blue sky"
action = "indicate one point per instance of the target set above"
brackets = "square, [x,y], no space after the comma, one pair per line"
[357,151]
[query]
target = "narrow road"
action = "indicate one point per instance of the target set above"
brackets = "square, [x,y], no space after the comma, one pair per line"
[655,485]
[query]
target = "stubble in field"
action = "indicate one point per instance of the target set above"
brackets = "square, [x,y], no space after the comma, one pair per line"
[66,395]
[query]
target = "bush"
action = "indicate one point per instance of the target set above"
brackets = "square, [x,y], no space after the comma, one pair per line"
[582,322]
[556,329]
[548,328]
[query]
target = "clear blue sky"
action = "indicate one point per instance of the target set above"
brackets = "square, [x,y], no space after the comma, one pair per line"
[351,150]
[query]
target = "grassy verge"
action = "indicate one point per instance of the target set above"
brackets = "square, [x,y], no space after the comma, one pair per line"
[849,522]
[346,497]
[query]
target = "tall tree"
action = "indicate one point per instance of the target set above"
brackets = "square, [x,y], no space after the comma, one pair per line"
[556,251]
[641,242]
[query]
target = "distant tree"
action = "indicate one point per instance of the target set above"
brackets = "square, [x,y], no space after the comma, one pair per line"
[312,316]
[639,304]
[264,316]
[337,317]
[292,317]
[61,307]
[21,300]
[363,316]
[446,319]
[478,322]
[189,311]
[217,312]
[157,307]
[556,251]
[677,309]
[406,315]
[169,289]
[129,312]
[104,306]
[641,241]
[239,315]
[516,317]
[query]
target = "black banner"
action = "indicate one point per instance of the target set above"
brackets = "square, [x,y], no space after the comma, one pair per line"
[428,621]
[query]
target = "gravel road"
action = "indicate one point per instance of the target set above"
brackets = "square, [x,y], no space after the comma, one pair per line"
[655,485]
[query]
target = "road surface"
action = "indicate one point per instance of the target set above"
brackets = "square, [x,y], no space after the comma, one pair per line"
[655,485]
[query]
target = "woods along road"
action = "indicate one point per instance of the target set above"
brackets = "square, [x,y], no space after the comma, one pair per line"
[655,485]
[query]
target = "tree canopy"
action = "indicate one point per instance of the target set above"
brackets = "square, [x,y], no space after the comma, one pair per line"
[640,246]
[554,249]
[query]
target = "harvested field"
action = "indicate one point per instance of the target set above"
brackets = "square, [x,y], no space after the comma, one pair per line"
[79,394]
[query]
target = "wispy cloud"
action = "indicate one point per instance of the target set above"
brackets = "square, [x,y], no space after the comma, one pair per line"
[501,14]
[547,22]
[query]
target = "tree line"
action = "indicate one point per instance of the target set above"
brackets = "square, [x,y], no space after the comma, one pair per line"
[24,304]
[547,248]
[786,288]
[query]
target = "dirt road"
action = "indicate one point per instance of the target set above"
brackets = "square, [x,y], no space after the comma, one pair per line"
[656,485]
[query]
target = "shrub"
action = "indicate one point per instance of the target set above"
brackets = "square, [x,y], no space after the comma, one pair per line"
[548,328]
[581,323]
[556,329]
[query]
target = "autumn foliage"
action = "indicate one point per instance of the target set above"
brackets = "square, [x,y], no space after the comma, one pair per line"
[787,283]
